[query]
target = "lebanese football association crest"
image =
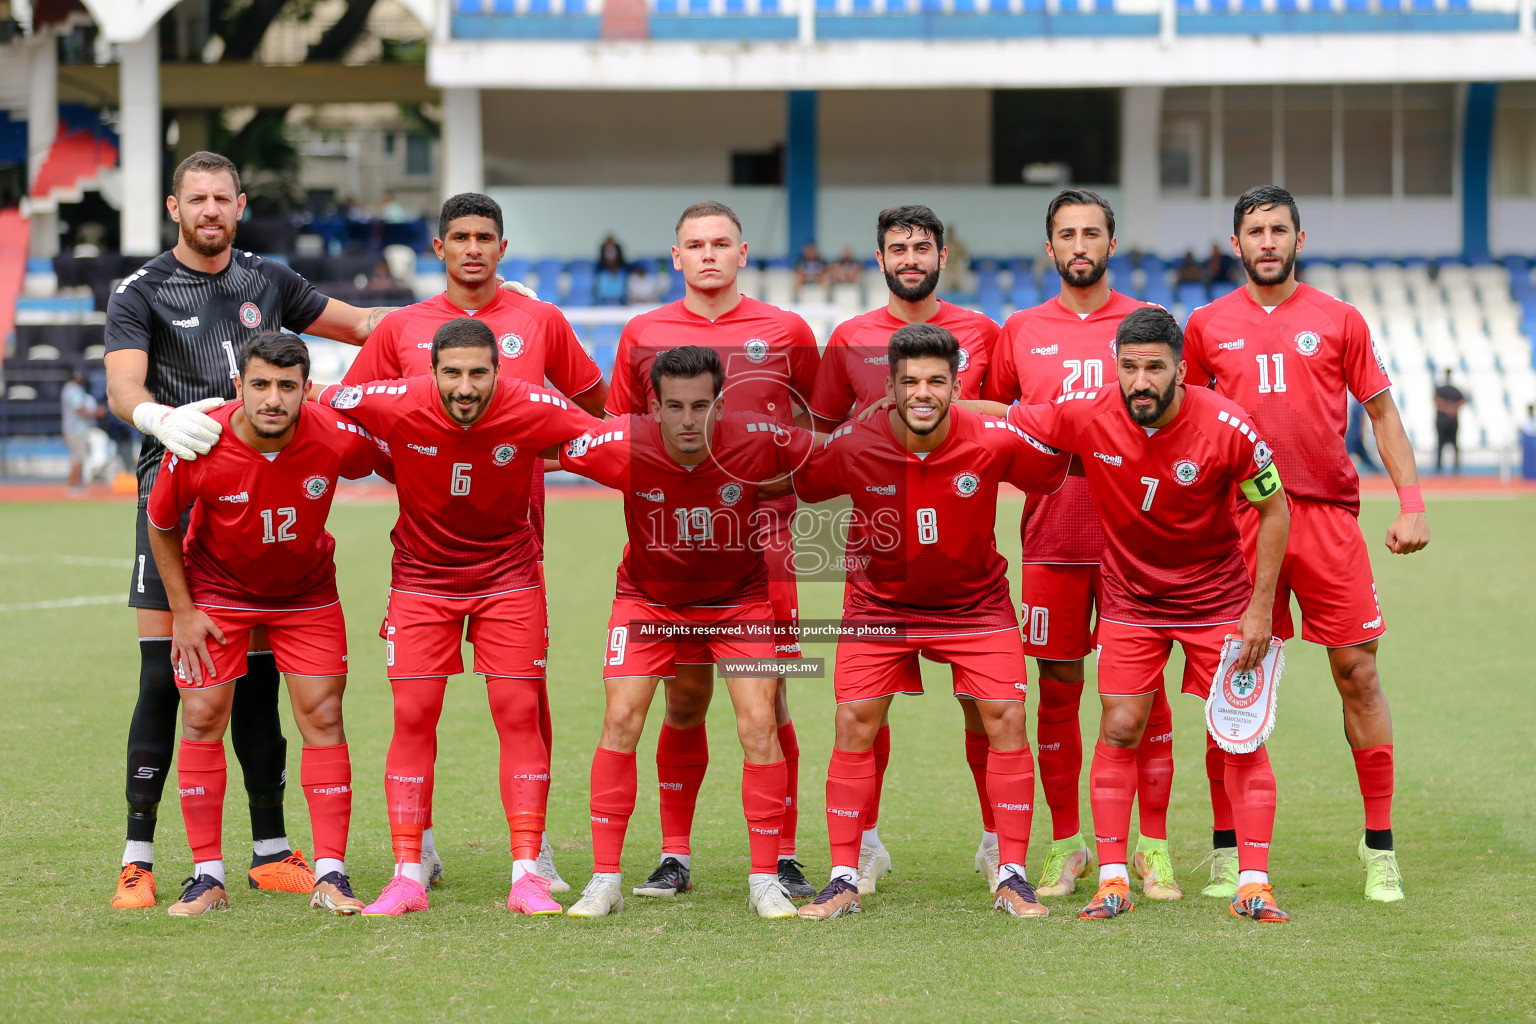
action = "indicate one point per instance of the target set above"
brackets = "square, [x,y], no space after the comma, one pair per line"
[503,454]
[965,359]
[1186,471]
[1307,343]
[316,486]
[1242,689]
[967,484]
[511,345]
[757,350]
[250,315]
[730,494]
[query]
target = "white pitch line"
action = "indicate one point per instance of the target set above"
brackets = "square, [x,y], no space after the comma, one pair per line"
[68,602]
[110,563]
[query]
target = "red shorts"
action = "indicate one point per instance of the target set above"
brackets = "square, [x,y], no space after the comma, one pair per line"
[1328,568]
[1132,658]
[783,597]
[628,655]
[1056,609]
[307,642]
[424,635]
[985,666]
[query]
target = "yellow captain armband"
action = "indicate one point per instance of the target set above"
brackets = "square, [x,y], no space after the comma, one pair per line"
[1265,483]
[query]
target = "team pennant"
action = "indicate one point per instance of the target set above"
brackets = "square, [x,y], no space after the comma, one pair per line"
[1240,712]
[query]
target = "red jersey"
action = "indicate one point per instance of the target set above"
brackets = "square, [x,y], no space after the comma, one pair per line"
[921,544]
[693,530]
[856,363]
[1290,368]
[257,537]
[1172,555]
[463,529]
[1043,353]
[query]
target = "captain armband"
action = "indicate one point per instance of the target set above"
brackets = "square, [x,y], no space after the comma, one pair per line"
[1263,484]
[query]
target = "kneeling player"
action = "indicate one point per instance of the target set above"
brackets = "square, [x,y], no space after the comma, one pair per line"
[690,474]
[1162,462]
[257,553]
[922,555]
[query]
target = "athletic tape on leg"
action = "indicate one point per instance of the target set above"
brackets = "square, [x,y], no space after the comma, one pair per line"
[1240,712]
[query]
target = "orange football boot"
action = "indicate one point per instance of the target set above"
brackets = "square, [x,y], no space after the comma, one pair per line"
[283,874]
[135,888]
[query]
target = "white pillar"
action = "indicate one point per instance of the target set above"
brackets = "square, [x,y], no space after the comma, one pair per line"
[807,15]
[1141,109]
[142,144]
[42,129]
[463,152]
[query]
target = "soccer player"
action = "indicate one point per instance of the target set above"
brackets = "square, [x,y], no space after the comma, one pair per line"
[1046,351]
[465,442]
[536,343]
[1162,461]
[909,242]
[1290,355]
[174,332]
[691,474]
[256,553]
[923,478]
[770,358]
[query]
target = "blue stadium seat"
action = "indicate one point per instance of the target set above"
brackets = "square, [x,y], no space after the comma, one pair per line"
[676,287]
[1253,6]
[549,279]
[1458,5]
[468,6]
[1285,6]
[538,6]
[999,6]
[666,6]
[575,6]
[862,6]
[1024,293]
[989,289]
[1424,5]
[698,6]
[895,6]
[768,8]
[1185,6]
[1190,295]
[931,6]
[965,6]
[1050,282]
[513,268]
[1067,6]
[583,288]
[1389,6]
[1357,6]
[1034,6]
[1220,288]
[503,7]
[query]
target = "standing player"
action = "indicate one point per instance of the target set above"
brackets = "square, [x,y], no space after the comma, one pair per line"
[1162,462]
[690,473]
[536,344]
[465,443]
[175,328]
[1046,351]
[923,478]
[257,554]
[910,250]
[770,358]
[1290,355]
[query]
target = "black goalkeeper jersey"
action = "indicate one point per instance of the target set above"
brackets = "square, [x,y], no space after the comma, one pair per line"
[193,325]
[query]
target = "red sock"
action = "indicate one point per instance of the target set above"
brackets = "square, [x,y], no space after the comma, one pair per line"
[1154,769]
[326,775]
[546,724]
[1011,787]
[524,762]
[1111,789]
[1251,786]
[882,750]
[1373,767]
[613,801]
[1059,740]
[409,763]
[762,800]
[682,757]
[976,750]
[201,777]
[789,743]
[850,787]
[1216,775]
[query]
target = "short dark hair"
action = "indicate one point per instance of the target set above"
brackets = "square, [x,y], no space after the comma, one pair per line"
[1263,197]
[1078,197]
[687,362]
[464,332]
[1150,325]
[924,341]
[909,218]
[278,348]
[468,204]
[707,208]
[203,160]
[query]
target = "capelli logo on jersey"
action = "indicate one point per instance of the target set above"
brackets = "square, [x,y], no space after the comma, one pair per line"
[1048,350]
[422,449]
[236,499]
[877,360]
[423,344]
[656,495]
[1109,460]
[1231,346]
[188,323]
[886,489]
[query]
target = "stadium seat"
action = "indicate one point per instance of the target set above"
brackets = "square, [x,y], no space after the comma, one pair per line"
[1191,295]
[548,286]
[676,287]
[583,286]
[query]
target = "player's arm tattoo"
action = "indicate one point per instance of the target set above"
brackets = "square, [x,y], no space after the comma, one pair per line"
[375,314]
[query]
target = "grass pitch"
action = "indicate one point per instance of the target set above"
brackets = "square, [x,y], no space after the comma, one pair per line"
[928,947]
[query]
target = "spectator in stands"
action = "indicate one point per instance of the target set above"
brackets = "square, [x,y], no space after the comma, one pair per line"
[1190,271]
[381,278]
[848,269]
[1448,403]
[125,441]
[392,211]
[1218,265]
[956,277]
[1354,437]
[810,268]
[1528,425]
[80,412]
[644,285]
[611,282]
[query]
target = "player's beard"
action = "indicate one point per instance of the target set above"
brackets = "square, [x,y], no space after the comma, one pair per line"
[913,293]
[925,429]
[1154,414]
[1082,278]
[269,434]
[458,414]
[202,246]
[1285,271]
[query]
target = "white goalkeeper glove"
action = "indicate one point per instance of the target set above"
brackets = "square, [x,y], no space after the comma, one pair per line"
[520,288]
[185,431]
